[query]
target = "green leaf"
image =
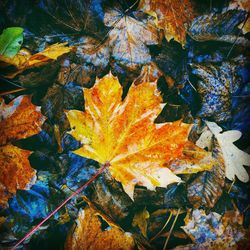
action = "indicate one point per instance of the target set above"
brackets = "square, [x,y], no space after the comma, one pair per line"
[10,41]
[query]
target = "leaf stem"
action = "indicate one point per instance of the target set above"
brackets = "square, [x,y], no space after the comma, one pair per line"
[34,229]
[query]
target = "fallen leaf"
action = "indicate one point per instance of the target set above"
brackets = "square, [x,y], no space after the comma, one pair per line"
[124,135]
[239,4]
[140,220]
[23,60]
[234,158]
[171,16]
[172,61]
[10,41]
[218,27]
[15,171]
[149,73]
[129,37]
[214,231]
[216,84]
[207,187]
[19,119]
[88,234]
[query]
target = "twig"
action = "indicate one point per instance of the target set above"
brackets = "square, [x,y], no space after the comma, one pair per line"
[159,233]
[171,229]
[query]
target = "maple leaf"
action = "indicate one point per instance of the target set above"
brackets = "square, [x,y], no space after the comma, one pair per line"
[24,60]
[129,37]
[171,16]
[234,158]
[124,135]
[19,119]
[89,235]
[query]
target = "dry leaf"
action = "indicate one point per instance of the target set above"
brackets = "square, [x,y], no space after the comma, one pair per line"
[234,158]
[140,220]
[89,235]
[129,37]
[23,60]
[171,16]
[124,134]
[19,119]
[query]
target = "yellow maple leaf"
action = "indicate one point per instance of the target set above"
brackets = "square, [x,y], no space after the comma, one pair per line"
[173,16]
[123,133]
[19,119]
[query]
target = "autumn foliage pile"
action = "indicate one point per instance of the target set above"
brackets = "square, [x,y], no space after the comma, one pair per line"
[151,93]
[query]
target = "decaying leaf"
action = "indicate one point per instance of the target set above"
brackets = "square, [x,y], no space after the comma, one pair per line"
[149,73]
[15,171]
[215,86]
[140,220]
[218,27]
[129,37]
[10,41]
[89,235]
[234,158]
[124,135]
[207,187]
[23,60]
[171,16]
[214,231]
[19,119]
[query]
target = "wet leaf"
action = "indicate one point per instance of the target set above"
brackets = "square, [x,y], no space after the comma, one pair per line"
[140,220]
[149,73]
[23,60]
[89,234]
[130,36]
[171,16]
[15,172]
[19,119]
[215,85]
[214,231]
[10,41]
[218,27]
[234,158]
[124,135]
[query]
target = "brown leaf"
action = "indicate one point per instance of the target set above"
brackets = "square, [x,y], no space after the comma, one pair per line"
[129,37]
[172,16]
[19,119]
[89,235]
[15,171]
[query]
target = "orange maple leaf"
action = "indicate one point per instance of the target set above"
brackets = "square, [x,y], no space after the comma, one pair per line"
[173,16]
[18,120]
[125,135]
